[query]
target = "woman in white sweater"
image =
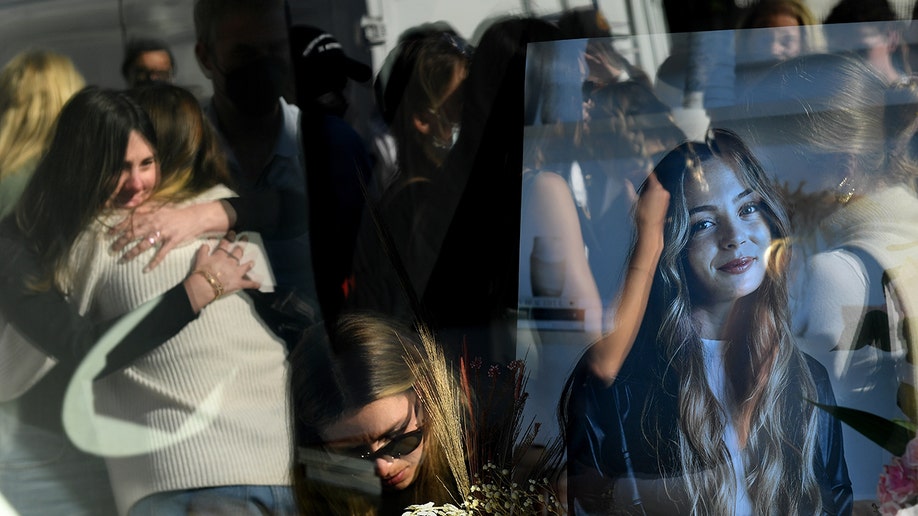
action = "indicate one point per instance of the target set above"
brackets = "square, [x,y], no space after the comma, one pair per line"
[207,410]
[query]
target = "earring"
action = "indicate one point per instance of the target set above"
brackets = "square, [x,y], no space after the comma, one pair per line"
[845,190]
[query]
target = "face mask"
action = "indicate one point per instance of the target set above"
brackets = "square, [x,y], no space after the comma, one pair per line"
[333,102]
[254,88]
[447,145]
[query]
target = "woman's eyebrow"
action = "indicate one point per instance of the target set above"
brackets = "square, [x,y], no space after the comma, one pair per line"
[709,207]
[397,428]
[703,207]
[744,193]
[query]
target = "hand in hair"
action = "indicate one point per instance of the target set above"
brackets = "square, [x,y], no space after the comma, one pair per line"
[608,353]
[223,266]
[651,208]
[167,226]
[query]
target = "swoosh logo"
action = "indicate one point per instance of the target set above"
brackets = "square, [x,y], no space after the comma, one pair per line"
[106,436]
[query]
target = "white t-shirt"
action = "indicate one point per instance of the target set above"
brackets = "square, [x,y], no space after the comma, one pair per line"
[717,381]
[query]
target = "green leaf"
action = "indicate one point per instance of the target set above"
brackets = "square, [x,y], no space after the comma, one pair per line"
[891,435]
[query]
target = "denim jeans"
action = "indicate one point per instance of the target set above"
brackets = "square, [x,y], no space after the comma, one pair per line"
[41,473]
[228,500]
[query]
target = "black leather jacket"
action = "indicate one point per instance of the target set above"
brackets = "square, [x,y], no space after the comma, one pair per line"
[622,441]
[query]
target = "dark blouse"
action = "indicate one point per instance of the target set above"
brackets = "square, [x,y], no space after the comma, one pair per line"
[51,324]
[622,440]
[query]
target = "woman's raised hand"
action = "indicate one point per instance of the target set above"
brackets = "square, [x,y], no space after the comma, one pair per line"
[651,207]
[166,226]
[219,272]
[608,354]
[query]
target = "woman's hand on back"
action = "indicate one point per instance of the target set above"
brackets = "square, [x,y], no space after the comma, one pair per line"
[167,226]
[218,272]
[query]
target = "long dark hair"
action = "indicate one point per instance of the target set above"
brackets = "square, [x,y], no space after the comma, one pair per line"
[78,174]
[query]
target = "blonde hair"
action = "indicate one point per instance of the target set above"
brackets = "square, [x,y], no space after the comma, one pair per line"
[363,358]
[34,86]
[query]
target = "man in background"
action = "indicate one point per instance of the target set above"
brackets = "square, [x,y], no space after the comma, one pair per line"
[147,61]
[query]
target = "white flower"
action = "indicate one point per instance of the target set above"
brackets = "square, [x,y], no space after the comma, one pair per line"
[428,509]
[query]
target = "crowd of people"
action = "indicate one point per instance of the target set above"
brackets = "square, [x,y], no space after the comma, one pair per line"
[307,321]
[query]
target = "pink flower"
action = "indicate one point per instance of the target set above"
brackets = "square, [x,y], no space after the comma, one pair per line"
[897,483]
[911,454]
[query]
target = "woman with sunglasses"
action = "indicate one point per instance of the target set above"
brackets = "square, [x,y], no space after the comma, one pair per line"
[357,414]
[698,400]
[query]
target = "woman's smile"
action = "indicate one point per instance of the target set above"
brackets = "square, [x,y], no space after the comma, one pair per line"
[729,236]
[738,266]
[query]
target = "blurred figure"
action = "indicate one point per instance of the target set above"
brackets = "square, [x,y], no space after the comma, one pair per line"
[872,31]
[793,31]
[34,86]
[478,203]
[628,132]
[39,469]
[556,290]
[147,61]
[911,40]
[605,65]
[773,31]
[398,67]
[421,95]
[839,139]
[243,48]
[337,159]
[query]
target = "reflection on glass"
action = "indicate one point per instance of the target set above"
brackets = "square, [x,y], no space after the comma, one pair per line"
[547,267]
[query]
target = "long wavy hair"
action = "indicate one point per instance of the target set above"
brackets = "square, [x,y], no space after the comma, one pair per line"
[767,378]
[77,175]
[34,86]
[364,358]
[190,158]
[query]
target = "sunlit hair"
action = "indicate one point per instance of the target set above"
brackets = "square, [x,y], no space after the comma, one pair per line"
[77,175]
[811,36]
[829,104]
[34,86]
[365,358]
[189,154]
[767,378]
[764,9]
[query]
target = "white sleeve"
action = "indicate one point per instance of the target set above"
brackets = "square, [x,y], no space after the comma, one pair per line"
[828,310]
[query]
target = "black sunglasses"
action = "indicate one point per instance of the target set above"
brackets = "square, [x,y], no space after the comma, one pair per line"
[397,447]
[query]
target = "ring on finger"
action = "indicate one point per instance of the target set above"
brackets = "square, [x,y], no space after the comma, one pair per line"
[153,238]
[228,253]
